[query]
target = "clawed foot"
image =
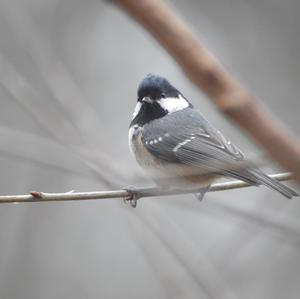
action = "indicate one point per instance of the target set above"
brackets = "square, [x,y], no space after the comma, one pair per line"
[132,197]
[200,195]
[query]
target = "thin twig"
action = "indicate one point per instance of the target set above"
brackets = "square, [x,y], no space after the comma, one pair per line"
[199,268]
[202,68]
[69,100]
[36,196]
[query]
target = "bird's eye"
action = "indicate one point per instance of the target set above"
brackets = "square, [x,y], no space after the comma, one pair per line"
[163,95]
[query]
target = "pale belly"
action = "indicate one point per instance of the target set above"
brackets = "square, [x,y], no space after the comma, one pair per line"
[165,174]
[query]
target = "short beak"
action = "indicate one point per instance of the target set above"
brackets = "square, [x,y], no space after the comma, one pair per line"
[147,100]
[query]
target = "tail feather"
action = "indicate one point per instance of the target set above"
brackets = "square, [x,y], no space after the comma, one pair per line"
[244,176]
[264,179]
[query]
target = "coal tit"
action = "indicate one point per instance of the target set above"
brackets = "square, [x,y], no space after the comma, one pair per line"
[179,148]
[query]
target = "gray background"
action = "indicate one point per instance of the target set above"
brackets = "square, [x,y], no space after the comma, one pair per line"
[68,77]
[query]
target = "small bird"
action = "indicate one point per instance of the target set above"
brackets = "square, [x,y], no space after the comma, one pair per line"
[179,148]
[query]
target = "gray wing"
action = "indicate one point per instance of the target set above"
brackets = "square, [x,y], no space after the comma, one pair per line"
[185,137]
[193,141]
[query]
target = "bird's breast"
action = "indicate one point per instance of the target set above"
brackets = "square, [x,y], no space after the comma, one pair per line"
[165,173]
[142,155]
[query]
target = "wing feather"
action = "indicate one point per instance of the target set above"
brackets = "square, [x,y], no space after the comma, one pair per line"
[196,144]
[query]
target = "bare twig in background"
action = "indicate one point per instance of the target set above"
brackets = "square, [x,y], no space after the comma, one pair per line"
[202,68]
[170,277]
[64,92]
[258,220]
[28,98]
[189,256]
[71,106]
[143,192]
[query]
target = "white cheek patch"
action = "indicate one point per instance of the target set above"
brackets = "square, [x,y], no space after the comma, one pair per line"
[174,104]
[136,109]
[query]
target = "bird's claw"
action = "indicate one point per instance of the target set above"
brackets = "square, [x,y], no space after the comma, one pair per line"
[132,196]
[200,195]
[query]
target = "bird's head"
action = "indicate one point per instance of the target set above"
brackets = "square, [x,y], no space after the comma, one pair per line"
[157,98]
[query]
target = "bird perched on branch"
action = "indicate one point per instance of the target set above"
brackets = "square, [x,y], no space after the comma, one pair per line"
[179,148]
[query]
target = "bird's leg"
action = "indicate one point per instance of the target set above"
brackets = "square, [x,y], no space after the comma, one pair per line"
[133,195]
[201,192]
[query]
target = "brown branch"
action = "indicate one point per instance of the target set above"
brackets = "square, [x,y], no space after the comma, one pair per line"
[201,67]
[37,196]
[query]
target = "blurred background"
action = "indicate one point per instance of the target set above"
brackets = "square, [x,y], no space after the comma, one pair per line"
[69,71]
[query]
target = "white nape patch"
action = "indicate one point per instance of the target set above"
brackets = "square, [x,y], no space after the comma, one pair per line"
[136,109]
[179,145]
[173,104]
